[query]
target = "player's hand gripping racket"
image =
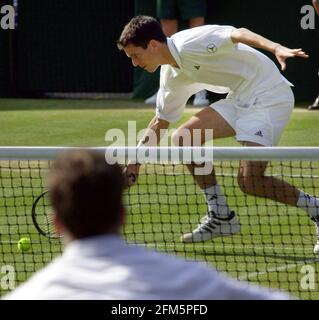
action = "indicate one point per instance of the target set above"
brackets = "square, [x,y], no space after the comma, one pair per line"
[131,174]
[42,216]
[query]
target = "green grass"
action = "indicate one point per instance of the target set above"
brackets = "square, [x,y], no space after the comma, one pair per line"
[85,122]
[274,243]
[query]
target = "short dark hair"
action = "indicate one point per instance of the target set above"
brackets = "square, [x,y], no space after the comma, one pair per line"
[86,193]
[140,31]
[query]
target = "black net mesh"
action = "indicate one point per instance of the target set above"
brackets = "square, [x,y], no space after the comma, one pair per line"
[274,246]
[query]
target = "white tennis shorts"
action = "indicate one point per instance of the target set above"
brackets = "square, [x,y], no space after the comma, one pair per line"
[262,118]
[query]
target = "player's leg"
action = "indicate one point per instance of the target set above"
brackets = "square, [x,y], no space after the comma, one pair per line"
[204,126]
[253,181]
[262,125]
[220,220]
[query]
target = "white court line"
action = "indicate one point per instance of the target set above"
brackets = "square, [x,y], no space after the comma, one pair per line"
[205,246]
[249,275]
[170,244]
[228,246]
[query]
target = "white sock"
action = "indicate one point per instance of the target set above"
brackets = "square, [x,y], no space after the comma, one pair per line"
[309,203]
[216,201]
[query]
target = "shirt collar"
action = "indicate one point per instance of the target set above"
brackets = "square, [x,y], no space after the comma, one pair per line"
[105,244]
[172,48]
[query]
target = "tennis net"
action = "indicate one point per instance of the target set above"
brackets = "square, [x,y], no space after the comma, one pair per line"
[273,248]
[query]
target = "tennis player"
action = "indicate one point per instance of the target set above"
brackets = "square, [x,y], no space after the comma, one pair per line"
[97,263]
[258,105]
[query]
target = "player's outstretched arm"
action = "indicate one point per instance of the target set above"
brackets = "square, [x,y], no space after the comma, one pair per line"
[152,136]
[252,39]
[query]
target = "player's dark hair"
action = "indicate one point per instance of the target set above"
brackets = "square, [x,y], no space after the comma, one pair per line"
[86,193]
[140,31]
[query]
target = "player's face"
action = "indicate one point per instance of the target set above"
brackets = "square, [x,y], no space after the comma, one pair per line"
[143,58]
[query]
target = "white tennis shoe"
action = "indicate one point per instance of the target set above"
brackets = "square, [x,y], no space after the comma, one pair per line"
[200,99]
[316,247]
[211,227]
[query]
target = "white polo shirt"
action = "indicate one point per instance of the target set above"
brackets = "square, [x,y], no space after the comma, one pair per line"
[208,59]
[105,267]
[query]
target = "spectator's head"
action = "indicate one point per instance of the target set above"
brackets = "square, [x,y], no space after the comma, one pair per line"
[141,39]
[86,194]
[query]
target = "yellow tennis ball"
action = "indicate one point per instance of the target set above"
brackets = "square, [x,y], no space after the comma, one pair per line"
[24,244]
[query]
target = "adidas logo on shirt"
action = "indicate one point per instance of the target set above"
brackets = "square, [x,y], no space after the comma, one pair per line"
[259,133]
[213,197]
[197,67]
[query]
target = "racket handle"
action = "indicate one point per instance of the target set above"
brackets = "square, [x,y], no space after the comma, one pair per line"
[132,177]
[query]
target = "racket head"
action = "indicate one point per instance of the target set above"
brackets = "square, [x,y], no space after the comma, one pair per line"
[43,217]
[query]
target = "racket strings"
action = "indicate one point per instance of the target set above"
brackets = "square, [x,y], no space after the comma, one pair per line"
[44,217]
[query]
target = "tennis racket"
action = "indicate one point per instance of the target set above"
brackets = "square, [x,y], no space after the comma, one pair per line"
[42,217]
